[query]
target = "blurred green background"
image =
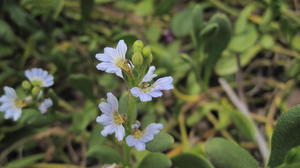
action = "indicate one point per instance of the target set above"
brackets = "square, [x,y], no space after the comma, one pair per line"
[253,44]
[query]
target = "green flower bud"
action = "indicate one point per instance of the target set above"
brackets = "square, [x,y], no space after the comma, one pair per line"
[147,51]
[138,46]
[35,91]
[137,59]
[26,84]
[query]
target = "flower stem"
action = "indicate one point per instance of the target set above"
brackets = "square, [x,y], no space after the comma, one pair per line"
[126,152]
[132,112]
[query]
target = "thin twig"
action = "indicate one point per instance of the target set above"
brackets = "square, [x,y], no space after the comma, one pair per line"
[260,140]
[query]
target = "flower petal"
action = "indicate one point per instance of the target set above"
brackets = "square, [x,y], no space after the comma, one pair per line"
[136,92]
[121,49]
[106,108]
[130,140]
[111,99]
[155,93]
[104,119]
[119,132]
[164,83]
[109,129]
[104,57]
[140,146]
[150,74]
[153,128]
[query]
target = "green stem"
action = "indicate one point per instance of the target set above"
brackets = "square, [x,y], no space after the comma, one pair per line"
[126,152]
[132,111]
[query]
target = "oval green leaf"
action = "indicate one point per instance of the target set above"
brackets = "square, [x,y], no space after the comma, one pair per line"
[189,160]
[286,136]
[155,160]
[161,142]
[223,153]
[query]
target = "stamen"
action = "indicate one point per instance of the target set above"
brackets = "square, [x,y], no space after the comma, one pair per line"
[123,64]
[119,118]
[146,87]
[138,133]
[20,103]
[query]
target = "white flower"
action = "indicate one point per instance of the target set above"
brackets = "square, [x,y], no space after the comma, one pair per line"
[146,91]
[139,138]
[39,77]
[113,59]
[43,107]
[110,118]
[11,105]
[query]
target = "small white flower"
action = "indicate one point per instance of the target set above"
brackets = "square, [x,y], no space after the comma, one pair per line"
[110,118]
[113,59]
[139,138]
[146,91]
[11,105]
[39,77]
[47,103]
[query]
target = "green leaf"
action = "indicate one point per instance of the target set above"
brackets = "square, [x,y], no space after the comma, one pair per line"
[293,165]
[105,154]
[245,126]
[214,53]
[26,161]
[6,32]
[246,38]
[144,8]
[227,65]
[155,160]
[161,142]
[293,156]
[267,41]
[154,32]
[82,118]
[182,22]
[242,21]
[209,29]
[223,153]
[188,160]
[98,149]
[286,136]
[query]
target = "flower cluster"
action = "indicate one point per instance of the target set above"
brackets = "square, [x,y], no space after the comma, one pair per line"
[32,94]
[139,76]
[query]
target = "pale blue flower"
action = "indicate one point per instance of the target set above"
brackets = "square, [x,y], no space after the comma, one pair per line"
[110,118]
[146,91]
[11,105]
[138,139]
[113,59]
[47,103]
[40,77]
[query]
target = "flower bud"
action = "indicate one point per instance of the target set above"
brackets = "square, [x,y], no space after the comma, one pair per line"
[137,59]
[35,91]
[26,84]
[147,51]
[138,46]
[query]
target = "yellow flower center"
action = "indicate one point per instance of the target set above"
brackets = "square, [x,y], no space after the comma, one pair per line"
[138,133]
[20,103]
[123,64]
[119,118]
